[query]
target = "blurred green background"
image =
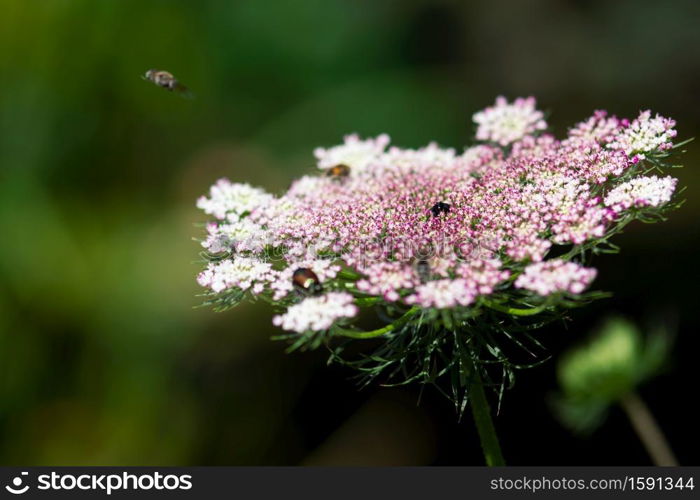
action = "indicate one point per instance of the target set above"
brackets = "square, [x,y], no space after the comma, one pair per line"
[104,360]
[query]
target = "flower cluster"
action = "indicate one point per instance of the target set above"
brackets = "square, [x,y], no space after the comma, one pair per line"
[244,273]
[317,313]
[505,123]
[443,294]
[435,229]
[354,153]
[232,201]
[555,275]
[649,191]
[645,135]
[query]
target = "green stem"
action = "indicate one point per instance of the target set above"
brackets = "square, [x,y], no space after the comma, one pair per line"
[482,417]
[348,275]
[514,311]
[648,430]
[356,334]
[367,301]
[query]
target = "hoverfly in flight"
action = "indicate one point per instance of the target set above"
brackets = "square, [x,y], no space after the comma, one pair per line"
[167,81]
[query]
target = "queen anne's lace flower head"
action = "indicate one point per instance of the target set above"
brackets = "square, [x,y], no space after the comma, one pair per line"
[505,123]
[457,252]
[434,228]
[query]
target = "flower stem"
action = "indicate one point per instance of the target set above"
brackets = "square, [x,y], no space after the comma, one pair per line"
[514,311]
[482,417]
[348,275]
[648,430]
[367,301]
[357,334]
